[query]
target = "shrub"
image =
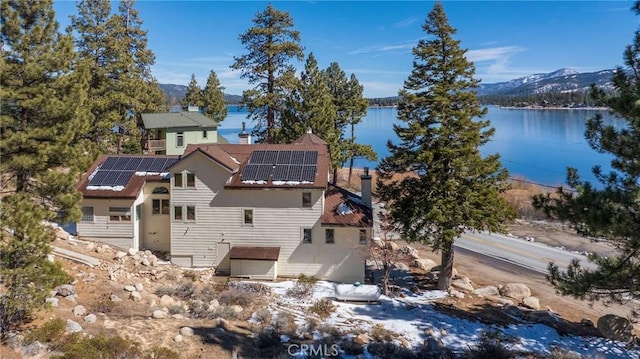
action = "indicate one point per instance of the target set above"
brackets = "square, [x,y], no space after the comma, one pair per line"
[177,309]
[226,312]
[183,290]
[389,350]
[330,331]
[198,309]
[491,345]
[285,323]
[161,353]
[249,287]
[323,307]
[267,338]
[103,305]
[50,332]
[263,315]
[207,293]
[303,287]
[101,347]
[235,297]
[562,353]
[382,334]
[351,348]
[191,275]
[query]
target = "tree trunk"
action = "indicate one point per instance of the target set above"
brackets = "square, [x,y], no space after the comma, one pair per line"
[446,267]
[385,278]
[335,176]
[353,138]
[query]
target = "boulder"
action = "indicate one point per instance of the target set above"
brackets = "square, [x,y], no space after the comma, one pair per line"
[52,301]
[615,327]
[33,350]
[500,300]
[531,303]
[139,287]
[186,332]
[73,327]
[62,234]
[410,251]
[392,246]
[362,339]
[463,283]
[236,308]
[513,312]
[487,291]
[129,288]
[71,298]
[587,322]
[401,266]
[213,305]
[423,263]
[136,296]
[79,311]
[132,251]
[65,290]
[90,246]
[159,314]
[517,291]
[115,298]
[91,318]
[455,293]
[146,262]
[177,338]
[177,316]
[15,341]
[166,301]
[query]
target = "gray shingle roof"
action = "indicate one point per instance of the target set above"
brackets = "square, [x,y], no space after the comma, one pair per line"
[176,119]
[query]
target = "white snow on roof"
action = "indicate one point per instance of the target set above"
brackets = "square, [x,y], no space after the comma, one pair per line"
[234,160]
[344,209]
[105,188]
[142,173]
[254,182]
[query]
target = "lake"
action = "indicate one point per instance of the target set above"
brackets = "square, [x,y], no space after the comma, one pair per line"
[535,144]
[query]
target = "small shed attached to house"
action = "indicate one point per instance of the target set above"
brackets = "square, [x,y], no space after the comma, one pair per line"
[254,262]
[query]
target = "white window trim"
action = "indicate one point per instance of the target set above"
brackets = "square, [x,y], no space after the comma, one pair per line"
[178,135]
[120,212]
[185,179]
[182,179]
[310,200]
[253,213]
[160,213]
[195,213]
[173,213]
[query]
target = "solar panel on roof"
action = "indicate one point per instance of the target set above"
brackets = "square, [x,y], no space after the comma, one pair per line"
[122,161]
[280,172]
[295,173]
[309,173]
[123,178]
[98,178]
[157,165]
[284,157]
[111,178]
[249,172]
[270,157]
[170,162]
[297,158]
[145,164]
[256,157]
[310,157]
[108,163]
[264,172]
[133,164]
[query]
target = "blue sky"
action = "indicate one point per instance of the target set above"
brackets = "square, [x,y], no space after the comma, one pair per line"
[373,39]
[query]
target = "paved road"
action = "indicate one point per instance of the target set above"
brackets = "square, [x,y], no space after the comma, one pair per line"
[533,256]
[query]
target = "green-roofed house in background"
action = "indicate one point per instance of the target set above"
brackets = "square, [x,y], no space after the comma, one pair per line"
[169,133]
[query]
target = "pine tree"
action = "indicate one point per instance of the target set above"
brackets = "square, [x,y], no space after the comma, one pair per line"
[213,99]
[193,96]
[272,44]
[43,115]
[611,212]
[445,186]
[113,46]
[356,109]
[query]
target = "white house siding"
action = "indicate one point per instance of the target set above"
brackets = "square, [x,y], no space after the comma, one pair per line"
[119,234]
[254,269]
[278,221]
[192,135]
[156,228]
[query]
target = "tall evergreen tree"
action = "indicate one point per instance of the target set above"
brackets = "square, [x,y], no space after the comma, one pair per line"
[311,108]
[40,125]
[445,187]
[272,44]
[193,96]
[213,99]
[121,87]
[356,108]
[611,212]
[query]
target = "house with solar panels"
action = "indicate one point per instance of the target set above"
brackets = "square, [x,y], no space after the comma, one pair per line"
[249,210]
[170,132]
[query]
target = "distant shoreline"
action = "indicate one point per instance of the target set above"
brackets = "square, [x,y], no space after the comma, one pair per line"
[553,108]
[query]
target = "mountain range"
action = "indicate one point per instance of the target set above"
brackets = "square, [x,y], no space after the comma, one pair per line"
[559,81]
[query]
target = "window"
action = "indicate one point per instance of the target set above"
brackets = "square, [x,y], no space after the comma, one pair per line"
[306,235]
[204,133]
[191,180]
[177,180]
[329,236]
[180,139]
[191,213]
[306,199]
[87,215]
[363,236]
[247,217]
[160,206]
[177,213]
[160,190]
[119,214]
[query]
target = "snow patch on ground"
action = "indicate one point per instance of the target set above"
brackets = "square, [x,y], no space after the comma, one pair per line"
[412,314]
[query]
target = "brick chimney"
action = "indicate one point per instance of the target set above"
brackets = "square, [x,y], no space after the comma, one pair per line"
[245,137]
[365,183]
